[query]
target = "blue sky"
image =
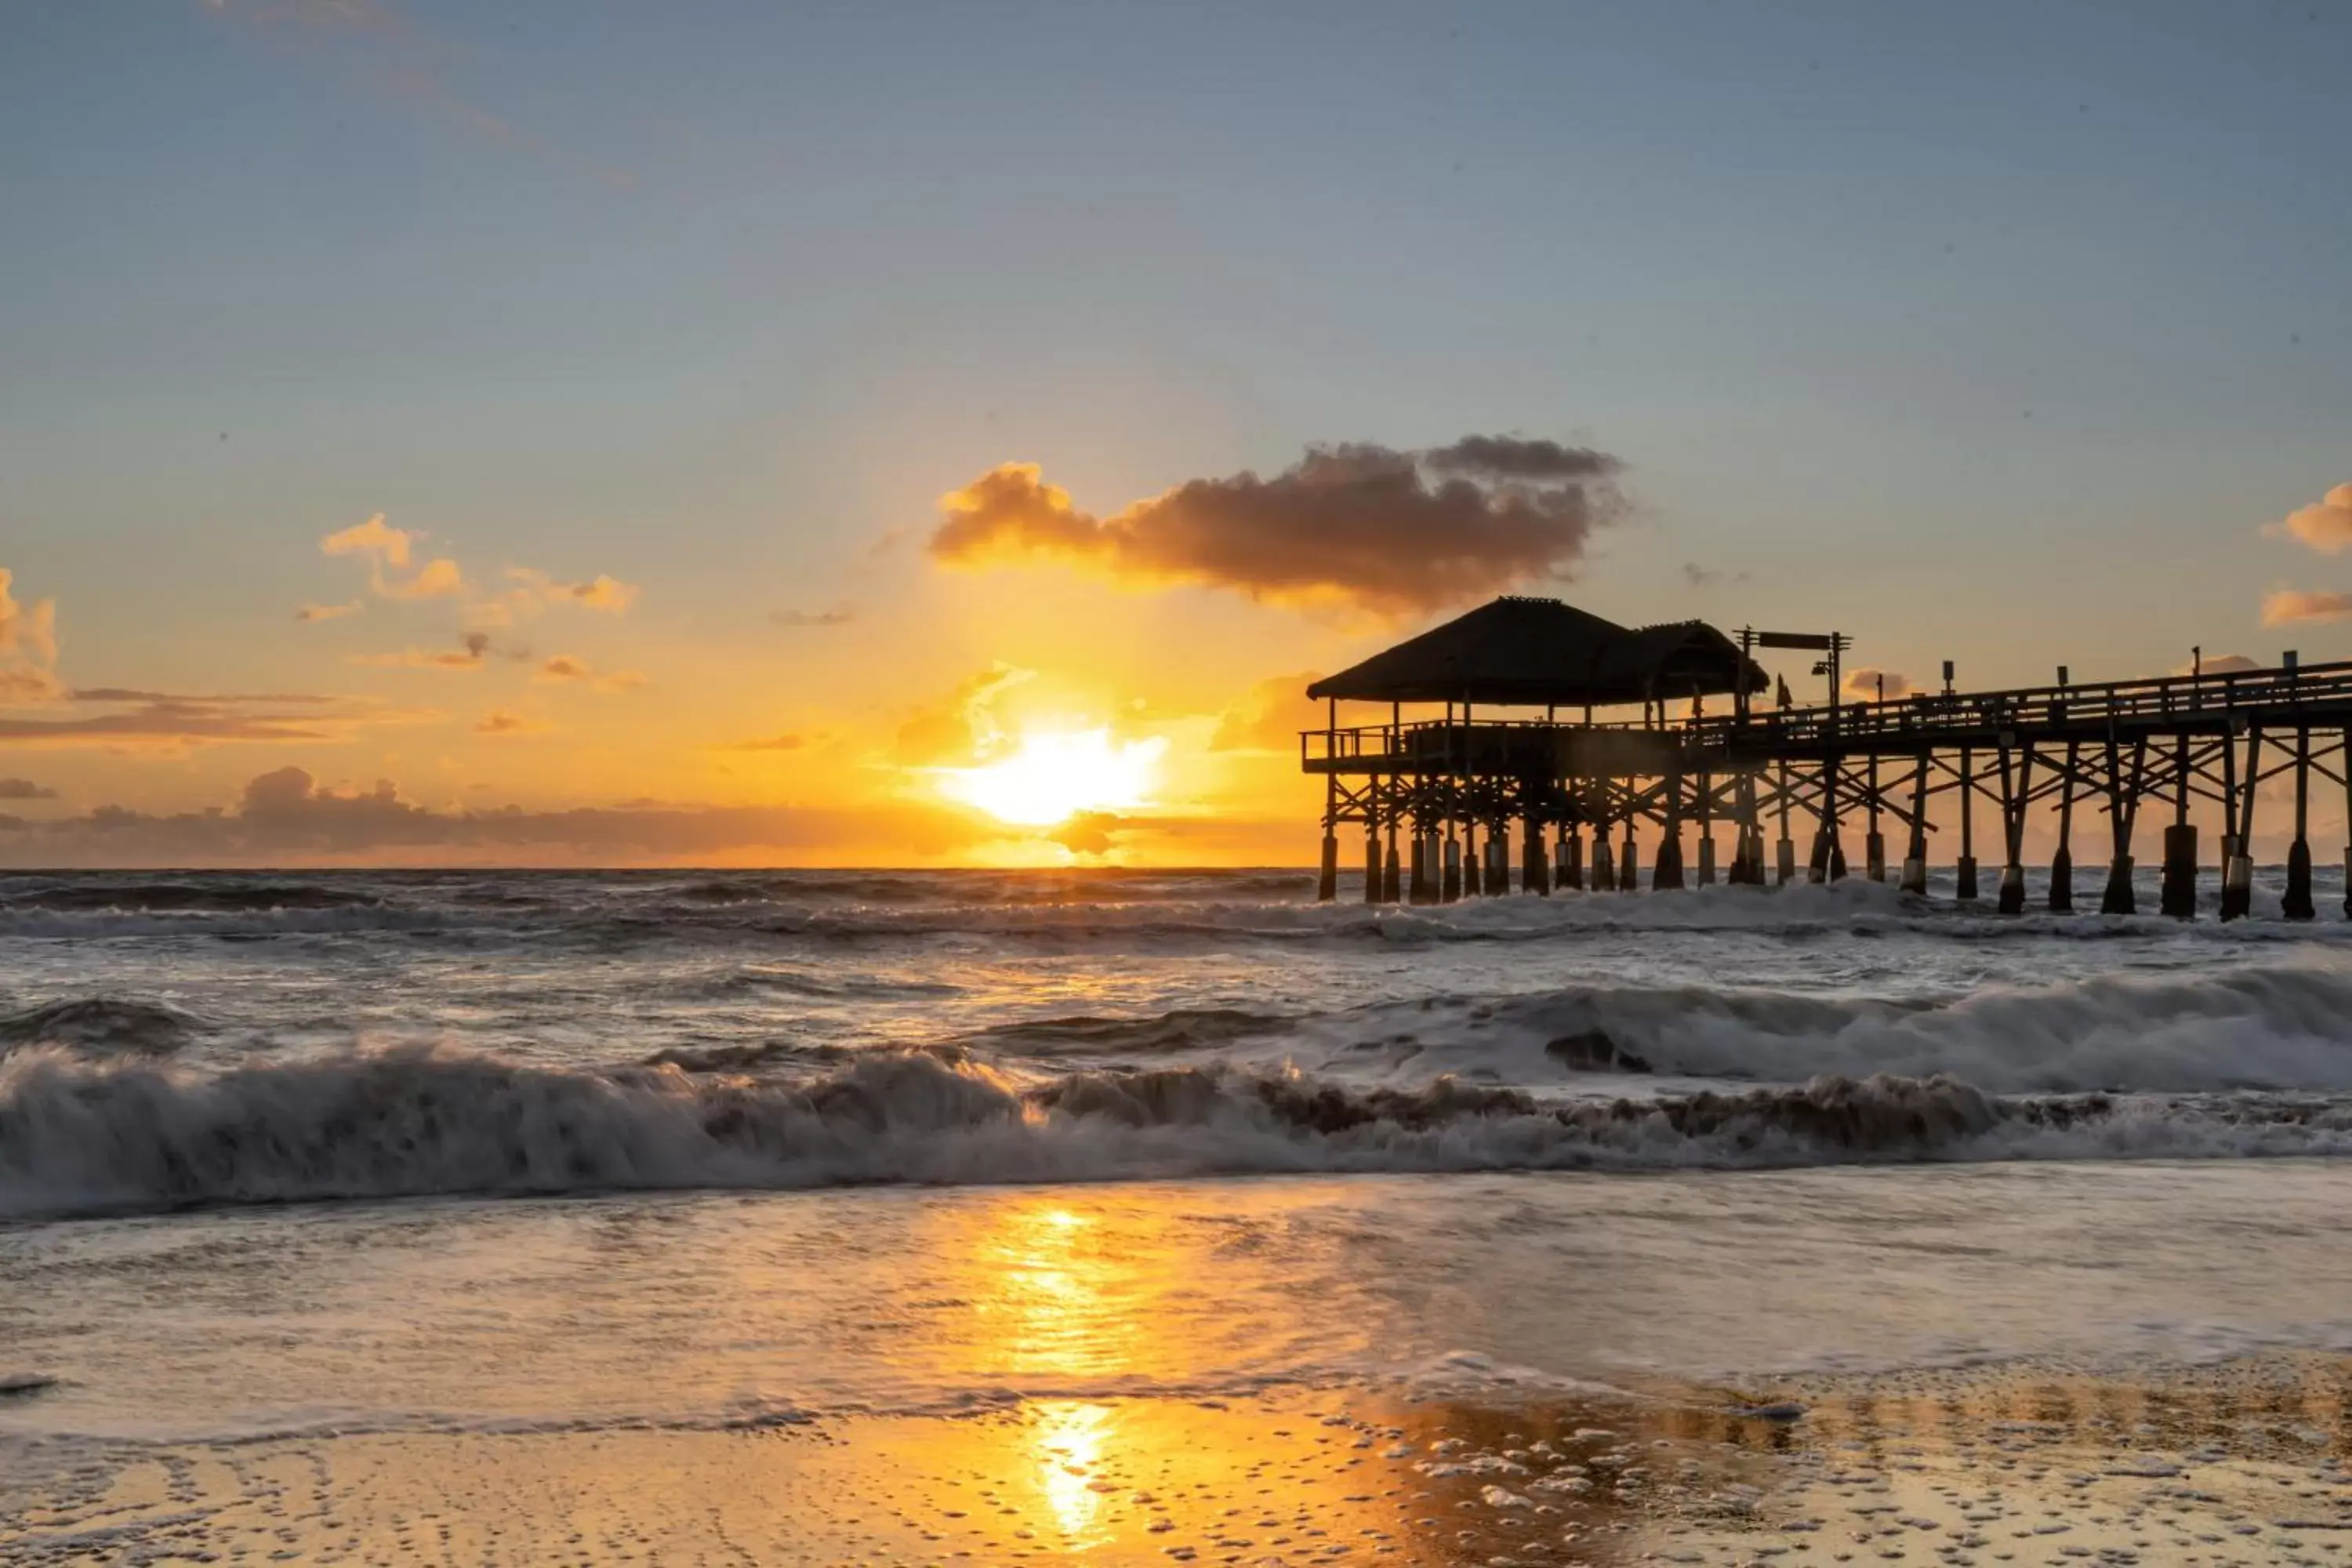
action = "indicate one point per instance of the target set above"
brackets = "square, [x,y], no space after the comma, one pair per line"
[1990,332]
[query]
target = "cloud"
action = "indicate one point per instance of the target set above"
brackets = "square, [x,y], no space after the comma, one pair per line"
[2325,526]
[1863,683]
[29,646]
[328,612]
[531,591]
[470,655]
[25,789]
[564,668]
[29,631]
[2220,664]
[1387,531]
[436,579]
[960,728]
[1698,576]
[383,545]
[170,722]
[1270,717]
[791,741]
[289,817]
[838,615]
[399,61]
[507,722]
[2286,606]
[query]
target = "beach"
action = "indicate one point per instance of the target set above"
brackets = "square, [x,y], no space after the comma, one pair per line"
[724,1220]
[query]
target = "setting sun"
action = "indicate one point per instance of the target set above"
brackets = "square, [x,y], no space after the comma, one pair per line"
[1054,776]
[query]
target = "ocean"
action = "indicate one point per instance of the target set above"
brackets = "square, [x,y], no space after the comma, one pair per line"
[311,1175]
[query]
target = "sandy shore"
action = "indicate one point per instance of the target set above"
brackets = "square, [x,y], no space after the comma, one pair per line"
[2240,1464]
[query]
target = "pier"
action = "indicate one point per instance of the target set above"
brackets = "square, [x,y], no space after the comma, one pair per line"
[1441,802]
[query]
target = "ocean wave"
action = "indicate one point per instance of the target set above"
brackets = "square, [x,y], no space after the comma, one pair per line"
[98,1026]
[194,896]
[2286,1027]
[78,1136]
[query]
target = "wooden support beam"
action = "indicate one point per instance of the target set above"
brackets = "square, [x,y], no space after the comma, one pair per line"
[2296,905]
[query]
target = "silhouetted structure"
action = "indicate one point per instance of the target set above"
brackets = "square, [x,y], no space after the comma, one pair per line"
[1455,787]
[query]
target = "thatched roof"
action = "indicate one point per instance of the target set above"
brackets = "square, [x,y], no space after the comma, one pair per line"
[1537,652]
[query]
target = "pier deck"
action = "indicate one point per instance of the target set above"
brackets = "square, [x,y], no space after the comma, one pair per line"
[1457,787]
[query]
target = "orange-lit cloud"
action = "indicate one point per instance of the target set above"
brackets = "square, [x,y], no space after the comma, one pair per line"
[1386,530]
[838,615]
[328,612]
[384,545]
[2325,525]
[470,655]
[1270,717]
[29,646]
[436,579]
[25,789]
[507,722]
[2287,605]
[2219,664]
[958,728]
[563,669]
[530,592]
[1865,684]
[791,741]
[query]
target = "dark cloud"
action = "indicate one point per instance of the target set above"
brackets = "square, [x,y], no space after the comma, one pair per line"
[1515,457]
[288,816]
[1389,530]
[25,789]
[838,615]
[171,720]
[1698,576]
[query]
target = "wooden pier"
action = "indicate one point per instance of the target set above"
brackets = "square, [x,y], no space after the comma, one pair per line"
[1440,800]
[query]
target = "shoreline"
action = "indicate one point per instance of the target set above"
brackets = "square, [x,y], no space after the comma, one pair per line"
[2242,1462]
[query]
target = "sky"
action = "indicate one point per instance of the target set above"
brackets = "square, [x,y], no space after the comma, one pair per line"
[597,433]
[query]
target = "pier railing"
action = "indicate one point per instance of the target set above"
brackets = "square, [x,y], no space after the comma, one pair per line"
[2221,702]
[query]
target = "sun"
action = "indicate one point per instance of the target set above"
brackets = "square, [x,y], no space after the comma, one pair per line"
[1054,774]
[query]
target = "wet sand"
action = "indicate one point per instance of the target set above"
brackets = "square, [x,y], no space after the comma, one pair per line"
[2243,1463]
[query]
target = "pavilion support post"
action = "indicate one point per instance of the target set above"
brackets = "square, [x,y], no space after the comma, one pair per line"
[1570,857]
[2123,812]
[1326,881]
[1605,858]
[2237,895]
[1965,873]
[2344,761]
[1706,868]
[2178,895]
[1785,849]
[2014,792]
[1628,869]
[2297,905]
[1668,871]
[1450,887]
[1373,841]
[1417,890]
[1914,854]
[2061,861]
[2244,869]
[1874,842]
[1535,863]
[1391,882]
[1499,859]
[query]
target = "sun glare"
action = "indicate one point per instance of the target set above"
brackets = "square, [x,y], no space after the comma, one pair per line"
[1056,774]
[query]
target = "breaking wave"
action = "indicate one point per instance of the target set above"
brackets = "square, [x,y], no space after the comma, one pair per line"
[101,1025]
[128,1135]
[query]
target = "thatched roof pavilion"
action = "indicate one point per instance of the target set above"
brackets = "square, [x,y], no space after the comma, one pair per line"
[1524,652]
